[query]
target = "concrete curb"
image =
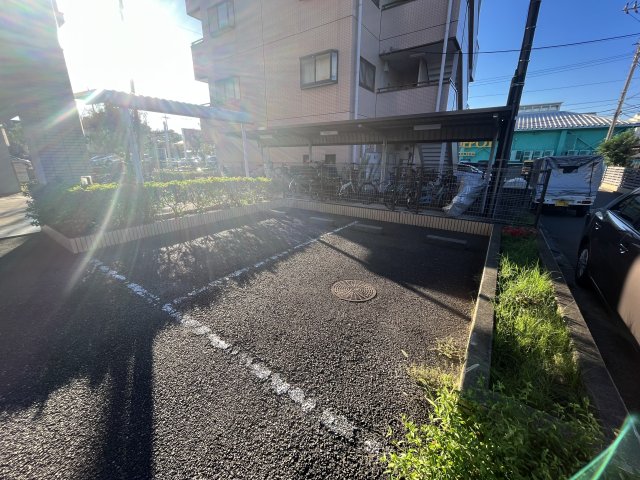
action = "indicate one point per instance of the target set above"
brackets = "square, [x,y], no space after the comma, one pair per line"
[438,222]
[124,235]
[477,365]
[595,376]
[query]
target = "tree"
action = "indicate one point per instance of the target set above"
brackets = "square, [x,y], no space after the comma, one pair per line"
[618,150]
[105,131]
[17,144]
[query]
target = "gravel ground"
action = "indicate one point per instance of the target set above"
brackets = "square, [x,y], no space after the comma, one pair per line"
[97,383]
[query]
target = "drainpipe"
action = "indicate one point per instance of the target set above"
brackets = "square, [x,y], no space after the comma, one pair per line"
[356,95]
[443,63]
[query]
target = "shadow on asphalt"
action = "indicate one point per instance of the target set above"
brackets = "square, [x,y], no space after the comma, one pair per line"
[173,265]
[55,336]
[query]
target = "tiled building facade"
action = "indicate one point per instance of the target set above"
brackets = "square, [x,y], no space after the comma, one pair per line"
[308,61]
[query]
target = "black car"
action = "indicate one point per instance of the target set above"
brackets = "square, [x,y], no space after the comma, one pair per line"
[609,256]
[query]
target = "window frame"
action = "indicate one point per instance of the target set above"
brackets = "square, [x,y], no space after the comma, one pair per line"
[216,90]
[367,65]
[232,23]
[319,83]
[634,224]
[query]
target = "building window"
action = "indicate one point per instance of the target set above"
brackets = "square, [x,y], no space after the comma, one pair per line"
[536,154]
[516,155]
[527,155]
[319,69]
[226,90]
[548,153]
[330,159]
[221,17]
[367,75]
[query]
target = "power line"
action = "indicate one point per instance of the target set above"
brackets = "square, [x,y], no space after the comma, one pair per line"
[554,88]
[554,70]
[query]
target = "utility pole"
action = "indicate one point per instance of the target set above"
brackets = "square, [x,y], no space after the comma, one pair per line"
[167,144]
[623,94]
[134,138]
[517,82]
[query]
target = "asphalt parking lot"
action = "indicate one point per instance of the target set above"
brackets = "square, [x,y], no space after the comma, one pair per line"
[223,354]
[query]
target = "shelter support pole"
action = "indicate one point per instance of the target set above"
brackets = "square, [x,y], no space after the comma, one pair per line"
[383,169]
[244,151]
[310,153]
[492,159]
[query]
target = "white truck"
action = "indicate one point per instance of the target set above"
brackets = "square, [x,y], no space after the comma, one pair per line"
[573,181]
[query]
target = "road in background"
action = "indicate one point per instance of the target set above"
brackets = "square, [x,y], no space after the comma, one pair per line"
[13,221]
[617,346]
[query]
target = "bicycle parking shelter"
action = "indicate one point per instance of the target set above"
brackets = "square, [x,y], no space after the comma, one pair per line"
[483,124]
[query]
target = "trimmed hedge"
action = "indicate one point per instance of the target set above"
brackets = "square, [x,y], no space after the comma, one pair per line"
[78,211]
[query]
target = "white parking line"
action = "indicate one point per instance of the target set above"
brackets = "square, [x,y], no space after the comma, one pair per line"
[222,280]
[338,424]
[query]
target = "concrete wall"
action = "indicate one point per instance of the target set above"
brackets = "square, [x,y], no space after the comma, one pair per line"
[34,85]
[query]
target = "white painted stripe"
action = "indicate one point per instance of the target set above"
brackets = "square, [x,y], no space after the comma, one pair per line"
[221,281]
[334,422]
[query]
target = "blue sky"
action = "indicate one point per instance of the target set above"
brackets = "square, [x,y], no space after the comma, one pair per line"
[156,52]
[560,21]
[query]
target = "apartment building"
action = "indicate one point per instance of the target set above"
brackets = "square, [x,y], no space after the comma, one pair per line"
[35,86]
[290,62]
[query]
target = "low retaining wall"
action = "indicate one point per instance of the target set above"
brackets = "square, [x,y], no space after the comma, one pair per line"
[595,376]
[124,235]
[406,218]
[477,364]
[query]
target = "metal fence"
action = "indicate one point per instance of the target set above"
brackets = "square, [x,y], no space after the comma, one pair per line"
[508,195]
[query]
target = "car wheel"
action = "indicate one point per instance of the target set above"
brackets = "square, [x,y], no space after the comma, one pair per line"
[582,267]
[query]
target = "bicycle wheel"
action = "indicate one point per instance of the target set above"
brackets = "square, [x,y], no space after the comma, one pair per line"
[389,198]
[368,192]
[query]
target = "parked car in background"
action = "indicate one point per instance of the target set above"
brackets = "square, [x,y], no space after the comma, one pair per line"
[609,257]
[573,181]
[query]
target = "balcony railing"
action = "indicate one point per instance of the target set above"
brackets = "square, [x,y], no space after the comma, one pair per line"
[410,24]
[406,86]
[406,99]
[200,61]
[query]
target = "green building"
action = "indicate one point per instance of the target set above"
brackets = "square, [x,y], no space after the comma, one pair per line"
[544,130]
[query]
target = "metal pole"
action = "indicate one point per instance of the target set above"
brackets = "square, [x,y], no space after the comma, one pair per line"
[383,173]
[245,158]
[135,142]
[623,94]
[542,196]
[356,86]
[517,82]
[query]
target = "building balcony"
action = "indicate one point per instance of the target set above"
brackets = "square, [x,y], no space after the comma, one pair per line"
[410,24]
[193,8]
[410,99]
[200,60]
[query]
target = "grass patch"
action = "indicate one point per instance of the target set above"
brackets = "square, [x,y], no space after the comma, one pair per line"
[535,422]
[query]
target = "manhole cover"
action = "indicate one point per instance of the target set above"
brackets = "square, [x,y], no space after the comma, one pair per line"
[353,290]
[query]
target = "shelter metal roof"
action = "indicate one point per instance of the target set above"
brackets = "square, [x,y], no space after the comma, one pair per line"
[554,120]
[460,125]
[161,105]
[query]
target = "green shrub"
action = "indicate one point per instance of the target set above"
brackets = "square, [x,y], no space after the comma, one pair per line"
[503,439]
[78,211]
[535,422]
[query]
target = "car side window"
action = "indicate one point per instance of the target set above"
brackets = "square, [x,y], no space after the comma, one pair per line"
[629,210]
